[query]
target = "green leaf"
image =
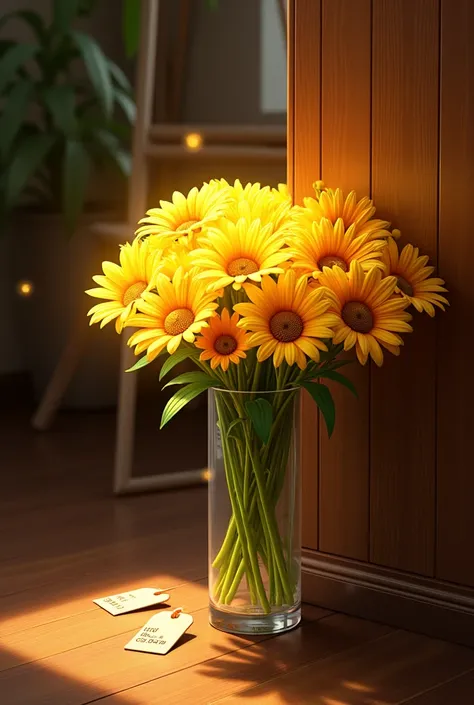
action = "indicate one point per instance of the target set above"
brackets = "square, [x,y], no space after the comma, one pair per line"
[61,102]
[111,145]
[64,14]
[142,362]
[119,77]
[341,379]
[13,115]
[127,104]
[182,397]
[98,69]
[323,398]
[13,58]
[260,412]
[28,157]
[31,18]
[76,167]
[131,13]
[177,357]
[190,378]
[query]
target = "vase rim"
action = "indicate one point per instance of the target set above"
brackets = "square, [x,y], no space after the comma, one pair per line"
[257,392]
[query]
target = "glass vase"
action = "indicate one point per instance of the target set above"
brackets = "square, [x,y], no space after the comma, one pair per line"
[254,511]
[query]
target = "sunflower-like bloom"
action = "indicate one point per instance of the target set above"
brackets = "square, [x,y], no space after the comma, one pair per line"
[414,280]
[332,205]
[172,259]
[252,201]
[328,245]
[233,253]
[122,285]
[223,342]
[184,216]
[179,310]
[288,319]
[369,313]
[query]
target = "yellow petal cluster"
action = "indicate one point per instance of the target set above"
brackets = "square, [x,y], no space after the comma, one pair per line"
[230,267]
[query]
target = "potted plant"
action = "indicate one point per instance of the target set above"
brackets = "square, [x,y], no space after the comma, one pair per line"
[66,114]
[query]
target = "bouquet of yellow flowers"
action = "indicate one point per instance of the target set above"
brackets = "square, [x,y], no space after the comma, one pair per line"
[264,298]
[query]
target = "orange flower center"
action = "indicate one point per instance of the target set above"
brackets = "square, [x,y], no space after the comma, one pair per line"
[186,225]
[225,345]
[134,292]
[286,326]
[242,266]
[358,316]
[178,321]
[333,261]
[404,286]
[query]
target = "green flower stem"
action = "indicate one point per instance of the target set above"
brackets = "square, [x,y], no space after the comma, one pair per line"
[235,585]
[269,522]
[249,550]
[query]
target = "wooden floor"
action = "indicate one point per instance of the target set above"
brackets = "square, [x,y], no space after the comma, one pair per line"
[64,540]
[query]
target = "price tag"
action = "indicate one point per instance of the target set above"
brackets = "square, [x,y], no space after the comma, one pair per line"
[131,601]
[161,632]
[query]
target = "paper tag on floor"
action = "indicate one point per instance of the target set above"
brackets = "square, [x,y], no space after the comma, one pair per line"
[131,601]
[161,632]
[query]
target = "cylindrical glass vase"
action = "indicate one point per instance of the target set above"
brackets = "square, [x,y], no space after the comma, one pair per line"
[254,511]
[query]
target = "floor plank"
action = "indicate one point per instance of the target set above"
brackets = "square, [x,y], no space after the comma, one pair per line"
[459,691]
[235,672]
[387,670]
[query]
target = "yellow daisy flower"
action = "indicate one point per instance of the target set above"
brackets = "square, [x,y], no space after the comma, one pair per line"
[179,310]
[185,215]
[172,260]
[369,314]
[328,245]
[414,281]
[233,253]
[122,285]
[287,318]
[332,205]
[223,342]
[253,201]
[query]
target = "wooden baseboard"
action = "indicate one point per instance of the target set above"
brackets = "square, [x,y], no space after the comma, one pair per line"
[403,600]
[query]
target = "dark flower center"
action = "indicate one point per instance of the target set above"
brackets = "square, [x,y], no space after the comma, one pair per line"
[286,326]
[358,316]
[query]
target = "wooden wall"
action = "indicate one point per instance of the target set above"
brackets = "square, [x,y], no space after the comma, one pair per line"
[382,101]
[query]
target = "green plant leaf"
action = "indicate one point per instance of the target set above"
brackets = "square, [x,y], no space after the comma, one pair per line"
[177,357]
[34,20]
[323,398]
[182,397]
[76,168]
[142,362]
[97,69]
[61,102]
[127,104]
[64,14]
[13,58]
[131,14]
[27,159]
[260,412]
[13,115]
[119,77]
[110,144]
[192,377]
[341,379]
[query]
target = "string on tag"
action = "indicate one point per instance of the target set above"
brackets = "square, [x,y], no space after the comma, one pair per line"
[175,613]
[158,592]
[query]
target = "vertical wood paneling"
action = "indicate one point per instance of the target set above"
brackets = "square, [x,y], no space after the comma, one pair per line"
[307,164]
[346,118]
[456,260]
[405,187]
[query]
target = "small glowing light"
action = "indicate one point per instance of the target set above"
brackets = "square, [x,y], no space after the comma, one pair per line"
[25,288]
[193,141]
[206,475]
